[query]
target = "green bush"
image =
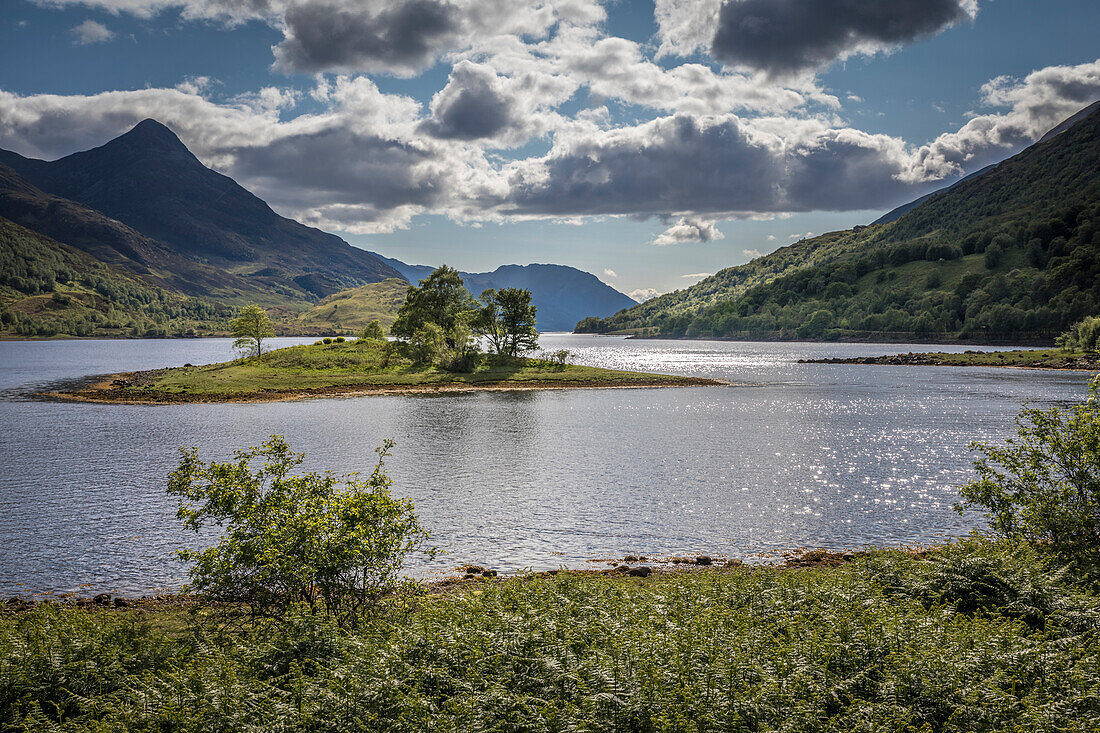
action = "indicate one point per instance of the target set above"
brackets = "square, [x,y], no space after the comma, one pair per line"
[334,545]
[373,331]
[1044,485]
[339,340]
[1082,336]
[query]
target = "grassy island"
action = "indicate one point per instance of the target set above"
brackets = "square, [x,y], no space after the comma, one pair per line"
[347,368]
[1022,359]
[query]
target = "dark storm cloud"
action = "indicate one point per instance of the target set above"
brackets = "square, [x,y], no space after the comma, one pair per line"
[782,36]
[332,35]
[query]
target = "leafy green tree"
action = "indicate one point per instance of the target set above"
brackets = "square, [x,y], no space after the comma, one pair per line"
[373,330]
[250,328]
[442,299]
[1044,485]
[507,320]
[335,545]
[1082,336]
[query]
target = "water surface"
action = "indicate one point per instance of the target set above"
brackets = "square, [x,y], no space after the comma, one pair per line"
[796,455]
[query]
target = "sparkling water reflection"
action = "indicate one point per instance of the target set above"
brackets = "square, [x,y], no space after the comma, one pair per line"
[793,455]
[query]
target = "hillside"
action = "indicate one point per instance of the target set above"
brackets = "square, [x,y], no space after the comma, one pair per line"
[148,180]
[1012,254]
[49,288]
[350,310]
[563,295]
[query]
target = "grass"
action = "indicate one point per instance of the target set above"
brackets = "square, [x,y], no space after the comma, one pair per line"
[972,637]
[356,366]
[349,311]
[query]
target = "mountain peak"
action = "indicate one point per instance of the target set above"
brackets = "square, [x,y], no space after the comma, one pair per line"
[152,134]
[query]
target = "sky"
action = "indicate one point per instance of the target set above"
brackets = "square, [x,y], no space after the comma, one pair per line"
[650,143]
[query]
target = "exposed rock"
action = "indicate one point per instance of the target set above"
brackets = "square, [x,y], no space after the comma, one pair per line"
[103,599]
[703,560]
[643,571]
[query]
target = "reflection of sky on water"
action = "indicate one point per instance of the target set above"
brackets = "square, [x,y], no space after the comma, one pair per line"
[800,455]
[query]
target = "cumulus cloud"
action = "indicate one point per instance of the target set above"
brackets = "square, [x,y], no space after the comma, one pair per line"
[689,229]
[92,32]
[696,275]
[473,105]
[643,294]
[752,254]
[610,273]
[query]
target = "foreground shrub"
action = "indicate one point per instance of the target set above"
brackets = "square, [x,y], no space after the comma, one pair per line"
[1082,336]
[336,545]
[1044,485]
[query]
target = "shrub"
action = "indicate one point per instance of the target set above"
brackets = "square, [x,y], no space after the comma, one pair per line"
[1044,485]
[339,340]
[326,340]
[373,331]
[335,545]
[1082,336]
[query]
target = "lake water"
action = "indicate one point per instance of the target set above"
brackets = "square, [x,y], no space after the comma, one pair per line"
[794,455]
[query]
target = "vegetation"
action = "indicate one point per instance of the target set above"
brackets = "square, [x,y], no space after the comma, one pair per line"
[1044,485]
[507,321]
[250,328]
[973,637]
[1012,255]
[373,332]
[350,367]
[50,289]
[1083,336]
[349,311]
[336,547]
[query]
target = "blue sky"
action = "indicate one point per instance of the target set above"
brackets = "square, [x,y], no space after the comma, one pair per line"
[646,143]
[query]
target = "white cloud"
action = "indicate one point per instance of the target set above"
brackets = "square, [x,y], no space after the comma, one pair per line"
[752,254]
[90,32]
[770,238]
[689,230]
[806,235]
[643,294]
[610,273]
[696,275]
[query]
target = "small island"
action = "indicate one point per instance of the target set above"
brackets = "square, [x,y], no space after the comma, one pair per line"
[1021,359]
[346,368]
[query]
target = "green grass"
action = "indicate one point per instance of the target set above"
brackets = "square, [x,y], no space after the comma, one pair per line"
[974,637]
[1039,358]
[349,311]
[360,365]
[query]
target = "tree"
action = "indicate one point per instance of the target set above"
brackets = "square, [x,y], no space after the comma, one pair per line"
[250,328]
[336,545]
[507,320]
[442,299]
[1044,485]
[373,330]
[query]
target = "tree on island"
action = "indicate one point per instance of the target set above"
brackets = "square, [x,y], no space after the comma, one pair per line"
[507,321]
[442,299]
[250,328]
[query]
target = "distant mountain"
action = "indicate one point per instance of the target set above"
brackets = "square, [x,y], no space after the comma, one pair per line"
[352,309]
[1012,254]
[149,180]
[562,295]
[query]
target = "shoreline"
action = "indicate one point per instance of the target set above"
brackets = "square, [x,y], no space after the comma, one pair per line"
[103,389]
[1036,360]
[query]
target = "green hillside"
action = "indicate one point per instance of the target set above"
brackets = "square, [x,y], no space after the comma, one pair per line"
[350,310]
[48,288]
[1013,254]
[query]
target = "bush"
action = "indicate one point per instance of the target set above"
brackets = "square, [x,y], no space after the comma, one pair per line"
[373,331]
[334,545]
[326,340]
[1044,485]
[339,340]
[1082,336]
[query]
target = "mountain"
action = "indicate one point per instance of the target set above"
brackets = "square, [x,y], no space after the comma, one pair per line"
[1012,254]
[897,213]
[149,180]
[562,295]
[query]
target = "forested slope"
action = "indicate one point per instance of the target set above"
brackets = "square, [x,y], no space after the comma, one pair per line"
[1013,254]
